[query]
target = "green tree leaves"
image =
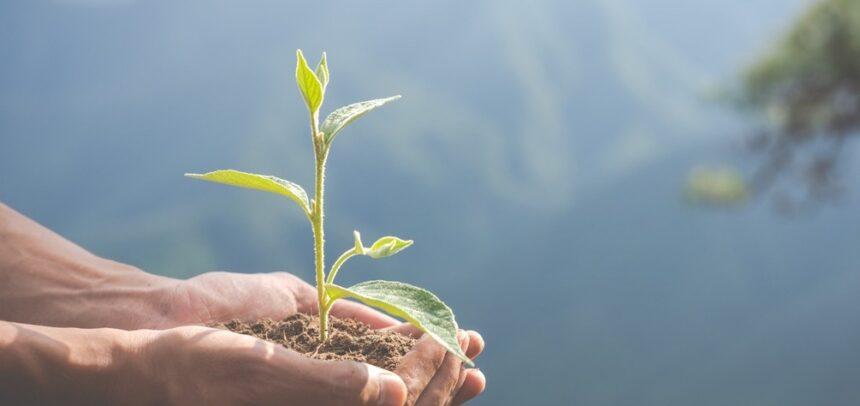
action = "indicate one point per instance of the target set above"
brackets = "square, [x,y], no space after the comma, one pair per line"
[339,118]
[265,183]
[417,306]
[310,85]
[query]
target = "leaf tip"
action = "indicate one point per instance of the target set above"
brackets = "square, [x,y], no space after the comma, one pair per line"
[359,246]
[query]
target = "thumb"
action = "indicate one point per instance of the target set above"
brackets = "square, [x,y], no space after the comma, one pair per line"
[353,383]
[384,388]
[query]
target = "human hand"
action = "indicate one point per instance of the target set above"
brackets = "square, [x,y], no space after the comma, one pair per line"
[199,365]
[222,296]
[431,375]
[57,283]
[195,364]
[184,365]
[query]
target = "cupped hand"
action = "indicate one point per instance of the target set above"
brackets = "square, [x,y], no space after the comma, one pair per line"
[431,375]
[199,365]
[223,296]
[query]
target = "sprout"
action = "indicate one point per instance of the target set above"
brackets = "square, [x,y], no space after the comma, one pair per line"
[415,305]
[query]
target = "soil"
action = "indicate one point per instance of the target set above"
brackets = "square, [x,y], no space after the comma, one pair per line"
[348,339]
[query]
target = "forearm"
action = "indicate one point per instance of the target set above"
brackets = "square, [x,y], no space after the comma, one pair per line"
[47,280]
[47,365]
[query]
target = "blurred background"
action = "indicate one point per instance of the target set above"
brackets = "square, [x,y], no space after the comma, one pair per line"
[636,203]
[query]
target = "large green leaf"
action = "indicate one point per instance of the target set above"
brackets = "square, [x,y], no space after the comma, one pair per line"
[309,83]
[265,183]
[339,118]
[417,306]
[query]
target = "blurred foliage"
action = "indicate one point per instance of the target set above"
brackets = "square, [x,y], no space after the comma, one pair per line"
[809,83]
[807,87]
[716,186]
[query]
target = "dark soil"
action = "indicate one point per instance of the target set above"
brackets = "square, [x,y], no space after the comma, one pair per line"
[348,339]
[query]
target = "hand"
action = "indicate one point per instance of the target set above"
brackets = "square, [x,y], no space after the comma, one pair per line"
[437,377]
[48,280]
[228,368]
[185,365]
[431,375]
[198,365]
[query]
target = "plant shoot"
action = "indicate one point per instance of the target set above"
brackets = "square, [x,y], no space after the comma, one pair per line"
[413,304]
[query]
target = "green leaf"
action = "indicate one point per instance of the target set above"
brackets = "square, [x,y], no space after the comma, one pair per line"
[265,183]
[339,118]
[359,247]
[322,72]
[386,247]
[309,84]
[417,306]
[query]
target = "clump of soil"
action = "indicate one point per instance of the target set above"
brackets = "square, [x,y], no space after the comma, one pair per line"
[348,339]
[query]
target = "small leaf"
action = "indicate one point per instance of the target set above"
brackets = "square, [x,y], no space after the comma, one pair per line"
[322,72]
[359,247]
[386,247]
[265,183]
[309,84]
[417,306]
[339,118]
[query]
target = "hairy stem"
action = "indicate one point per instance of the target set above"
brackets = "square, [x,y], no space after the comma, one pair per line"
[318,229]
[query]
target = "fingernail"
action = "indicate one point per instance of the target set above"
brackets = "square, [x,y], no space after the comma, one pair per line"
[392,390]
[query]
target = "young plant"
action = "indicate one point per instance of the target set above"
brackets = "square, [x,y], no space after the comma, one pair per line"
[415,305]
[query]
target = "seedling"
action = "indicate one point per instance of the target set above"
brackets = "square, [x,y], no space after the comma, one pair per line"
[411,303]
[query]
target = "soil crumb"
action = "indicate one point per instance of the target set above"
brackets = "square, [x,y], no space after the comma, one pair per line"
[348,339]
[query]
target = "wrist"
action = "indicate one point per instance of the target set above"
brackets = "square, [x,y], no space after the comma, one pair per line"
[126,297]
[121,296]
[65,365]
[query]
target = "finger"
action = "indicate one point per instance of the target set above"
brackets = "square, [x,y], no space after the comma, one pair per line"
[340,383]
[419,366]
[443,386]
[350,310]
[474,385]
[407,330]
[476,344]
[460,381]
[476,341]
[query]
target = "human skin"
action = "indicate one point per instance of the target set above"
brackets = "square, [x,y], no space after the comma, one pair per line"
[120,334]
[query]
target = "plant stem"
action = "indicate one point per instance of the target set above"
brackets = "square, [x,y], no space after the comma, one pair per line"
[337,264]
[318,229]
